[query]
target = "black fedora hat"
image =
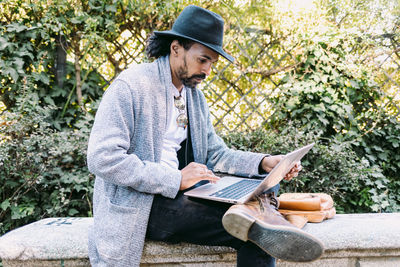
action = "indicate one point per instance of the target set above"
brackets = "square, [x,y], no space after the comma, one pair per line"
[199,25]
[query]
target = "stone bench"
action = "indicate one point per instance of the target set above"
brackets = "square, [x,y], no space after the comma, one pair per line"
[349,239]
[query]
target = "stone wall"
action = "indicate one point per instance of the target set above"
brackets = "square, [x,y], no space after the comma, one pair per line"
[350,240]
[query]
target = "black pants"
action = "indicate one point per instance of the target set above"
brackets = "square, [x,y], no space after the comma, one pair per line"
[197,221]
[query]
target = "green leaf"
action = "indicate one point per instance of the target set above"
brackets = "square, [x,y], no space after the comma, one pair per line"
[354,84]
[76,20]
[5,204]
[16,213]
[72,212]
[25,53]
[327,99]
[12,72]
[371,157]
[16,27]
[49,100]
[383,156]
[377,148]
[43,77]
[111,8]
[19,62]
[323,120]
[4,43]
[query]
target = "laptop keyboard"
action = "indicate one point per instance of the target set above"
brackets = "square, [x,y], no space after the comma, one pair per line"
[237,190]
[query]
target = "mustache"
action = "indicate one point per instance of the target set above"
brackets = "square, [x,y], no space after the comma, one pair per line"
[197,76]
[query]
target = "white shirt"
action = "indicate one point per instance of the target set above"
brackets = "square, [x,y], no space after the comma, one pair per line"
[174,135]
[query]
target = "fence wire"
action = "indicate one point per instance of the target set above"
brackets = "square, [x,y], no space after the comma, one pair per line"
[238,94]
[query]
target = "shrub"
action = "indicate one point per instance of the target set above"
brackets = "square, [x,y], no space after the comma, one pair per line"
[331,91]
[43,172]
[331,167]
[380,145]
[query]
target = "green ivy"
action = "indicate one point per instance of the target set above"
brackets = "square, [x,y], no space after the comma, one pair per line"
[341,99]
[325,91]
[331,167]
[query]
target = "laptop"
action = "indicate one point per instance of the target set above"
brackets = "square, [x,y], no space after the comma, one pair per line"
[238,190]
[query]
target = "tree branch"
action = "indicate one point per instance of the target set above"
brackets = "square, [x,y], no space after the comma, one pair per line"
[78,88]
[267,73]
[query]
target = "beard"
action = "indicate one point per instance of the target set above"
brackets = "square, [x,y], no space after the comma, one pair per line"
[189,81]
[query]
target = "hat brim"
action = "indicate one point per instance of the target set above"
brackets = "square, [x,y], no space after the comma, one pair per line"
[216,48]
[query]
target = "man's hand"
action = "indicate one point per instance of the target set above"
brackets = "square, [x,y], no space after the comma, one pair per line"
[194,173]
[268,163]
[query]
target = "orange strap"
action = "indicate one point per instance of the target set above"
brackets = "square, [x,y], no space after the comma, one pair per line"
[316,207]
[305,201]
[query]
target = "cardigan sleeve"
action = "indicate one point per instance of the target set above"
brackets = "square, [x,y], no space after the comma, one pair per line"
[110,142]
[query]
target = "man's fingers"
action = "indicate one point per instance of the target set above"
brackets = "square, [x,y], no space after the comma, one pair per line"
[210,176]
[288,177]
[194,173]
[294,172]
[296,168]
[201,172]
[299,167]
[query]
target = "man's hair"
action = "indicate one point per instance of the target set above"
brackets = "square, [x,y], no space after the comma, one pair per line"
[158,46]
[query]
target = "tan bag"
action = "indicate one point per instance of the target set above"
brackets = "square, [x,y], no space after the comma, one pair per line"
[300,208]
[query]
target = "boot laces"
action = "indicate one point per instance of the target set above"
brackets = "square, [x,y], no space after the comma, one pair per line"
[267,199]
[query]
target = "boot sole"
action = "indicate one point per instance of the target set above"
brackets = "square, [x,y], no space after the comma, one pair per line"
[282,242]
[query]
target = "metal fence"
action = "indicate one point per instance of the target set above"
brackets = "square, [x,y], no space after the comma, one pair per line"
[387,70]
[238,94]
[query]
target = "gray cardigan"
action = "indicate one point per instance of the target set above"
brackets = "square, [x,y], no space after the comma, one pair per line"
[124,153]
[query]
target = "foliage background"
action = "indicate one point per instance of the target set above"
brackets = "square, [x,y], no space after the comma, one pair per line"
[322,71]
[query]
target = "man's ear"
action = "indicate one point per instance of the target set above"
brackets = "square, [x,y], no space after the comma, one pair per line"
[175,46]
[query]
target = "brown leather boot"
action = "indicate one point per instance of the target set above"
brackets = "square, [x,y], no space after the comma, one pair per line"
[261,223]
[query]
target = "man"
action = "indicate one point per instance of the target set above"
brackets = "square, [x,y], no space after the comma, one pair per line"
[153,138]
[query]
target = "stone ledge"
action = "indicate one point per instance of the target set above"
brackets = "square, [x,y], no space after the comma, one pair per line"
[349,239]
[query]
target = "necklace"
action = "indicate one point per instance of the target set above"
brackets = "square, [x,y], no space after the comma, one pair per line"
[182,119]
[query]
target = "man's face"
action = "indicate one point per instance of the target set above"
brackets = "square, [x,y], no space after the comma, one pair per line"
[196,64]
